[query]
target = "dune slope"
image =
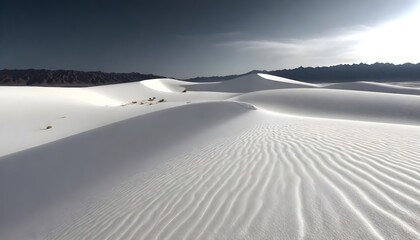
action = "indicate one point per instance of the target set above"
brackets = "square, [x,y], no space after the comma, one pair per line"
[282,178]
[339,104]
[375,87]
[249,83]
[259,157]
[52,172]
[27,111]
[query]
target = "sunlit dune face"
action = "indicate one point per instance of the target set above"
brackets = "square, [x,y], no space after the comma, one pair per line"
[93,98]
[156,84]
[397,41]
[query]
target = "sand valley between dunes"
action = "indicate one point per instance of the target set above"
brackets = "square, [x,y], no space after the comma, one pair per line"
[257,157]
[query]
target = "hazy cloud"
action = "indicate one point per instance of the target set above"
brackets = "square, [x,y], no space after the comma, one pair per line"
[394,41]
[289,52]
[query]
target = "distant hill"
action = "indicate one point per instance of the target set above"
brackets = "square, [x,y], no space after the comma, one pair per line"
[378,72]
[66,78]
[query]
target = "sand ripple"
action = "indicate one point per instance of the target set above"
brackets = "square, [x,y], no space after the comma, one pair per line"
[283,179]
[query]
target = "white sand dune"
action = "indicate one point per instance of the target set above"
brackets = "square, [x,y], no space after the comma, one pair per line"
[375,87]
[167,85]
[250,83]
[285,179]
[91,157]
[339,104]
[167,89]
[209,163]
[27,111]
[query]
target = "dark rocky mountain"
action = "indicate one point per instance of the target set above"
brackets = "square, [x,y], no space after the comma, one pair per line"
[66,78]
[378,72]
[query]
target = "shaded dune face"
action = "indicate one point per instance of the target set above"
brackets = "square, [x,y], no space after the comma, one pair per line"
[257,157]
[339,104]
[250,83]
[54,171]
[375,87]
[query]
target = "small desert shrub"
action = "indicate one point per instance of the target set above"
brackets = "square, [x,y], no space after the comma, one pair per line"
[48,127]
[184,91]
[161,100]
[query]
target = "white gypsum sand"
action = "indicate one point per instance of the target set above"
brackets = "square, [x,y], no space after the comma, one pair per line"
[258,157]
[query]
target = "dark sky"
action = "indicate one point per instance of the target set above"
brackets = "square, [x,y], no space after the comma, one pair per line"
[188,38]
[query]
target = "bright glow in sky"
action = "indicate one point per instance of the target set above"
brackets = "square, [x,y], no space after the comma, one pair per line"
[397,41]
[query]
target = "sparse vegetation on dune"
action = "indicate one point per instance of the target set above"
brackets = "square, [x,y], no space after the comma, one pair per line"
[149,101]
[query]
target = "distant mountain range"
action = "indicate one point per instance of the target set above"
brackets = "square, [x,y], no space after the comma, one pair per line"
[378,72]
[66,78]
